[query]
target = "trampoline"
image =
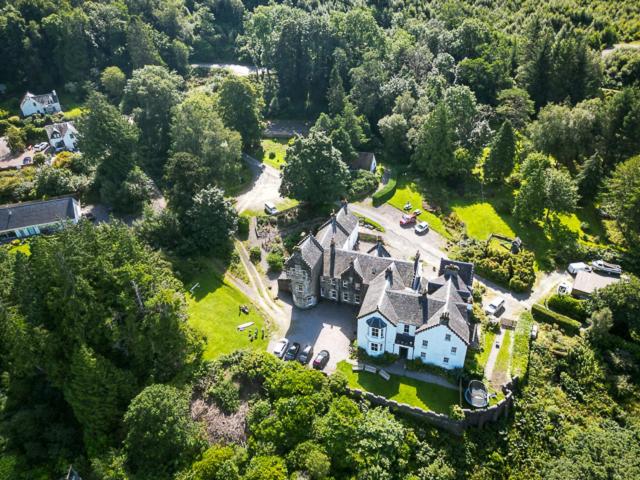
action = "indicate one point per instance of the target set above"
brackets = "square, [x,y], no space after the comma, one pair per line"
[476,394]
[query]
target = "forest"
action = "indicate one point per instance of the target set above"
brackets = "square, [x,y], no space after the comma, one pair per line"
[535,105]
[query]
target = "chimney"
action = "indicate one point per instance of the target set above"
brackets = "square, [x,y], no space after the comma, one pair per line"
[333,221]
[388,274]
[345,205]
[332,256]
[444,316]
[451,270]
[416,262]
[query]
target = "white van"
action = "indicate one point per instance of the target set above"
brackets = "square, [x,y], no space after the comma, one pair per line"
[576,267]
[270,208]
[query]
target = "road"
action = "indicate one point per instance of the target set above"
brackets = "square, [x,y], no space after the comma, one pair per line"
[265,187]
[432,249]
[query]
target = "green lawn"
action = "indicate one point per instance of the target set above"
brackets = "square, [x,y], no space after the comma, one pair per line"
[481,220]
[521,342]
[214,312]
[282,205]
[407,191]
[487,344]
[278,147]
[504,356]
[403,390]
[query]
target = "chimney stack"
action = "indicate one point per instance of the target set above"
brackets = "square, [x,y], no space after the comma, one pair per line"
[345,204]
[416,262]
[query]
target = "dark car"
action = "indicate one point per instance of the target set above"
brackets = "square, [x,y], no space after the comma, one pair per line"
[292,351]
[305,354]
[321,360]
[27,161]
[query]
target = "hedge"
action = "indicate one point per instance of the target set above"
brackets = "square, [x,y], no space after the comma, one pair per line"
[569,306]
[385,193]
[566,324]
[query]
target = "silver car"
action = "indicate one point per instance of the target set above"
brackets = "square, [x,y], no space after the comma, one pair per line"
[281,347]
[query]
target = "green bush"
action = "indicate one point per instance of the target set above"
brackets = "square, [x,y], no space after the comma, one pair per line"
[418,365]
[385,359]
[243,227]
[385,193]
[255,254]
[569,306]
[362,183]
[456,413]
[566,324]
[226,394]
[521,345]
[275,259]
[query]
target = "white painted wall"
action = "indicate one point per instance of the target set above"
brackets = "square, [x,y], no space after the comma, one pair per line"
[353,238]
[30,107]
[438,348]
[365,339]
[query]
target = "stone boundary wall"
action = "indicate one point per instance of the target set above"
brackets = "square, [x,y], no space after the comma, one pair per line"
[473,417]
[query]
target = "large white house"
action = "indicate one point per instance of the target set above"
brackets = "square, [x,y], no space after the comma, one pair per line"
[46,103]
[62,136]
[400,312]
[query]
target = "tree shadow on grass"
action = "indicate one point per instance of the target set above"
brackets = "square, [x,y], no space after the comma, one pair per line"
[200,275]
[436,397]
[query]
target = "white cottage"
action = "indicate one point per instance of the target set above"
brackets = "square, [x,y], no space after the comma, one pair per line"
[33,218]
[46,103]
[400,311]
[62,136]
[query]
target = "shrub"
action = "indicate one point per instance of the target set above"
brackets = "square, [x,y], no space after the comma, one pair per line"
[569,306]
[226,394]
[275,259]
[243,227]
[418,365]
[456,413]
[255,254]
[566,324]
[362,183]
[385,359]
[385,193]
[272,155]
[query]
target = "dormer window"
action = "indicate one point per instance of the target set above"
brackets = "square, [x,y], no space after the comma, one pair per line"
[406,329]
[345,283]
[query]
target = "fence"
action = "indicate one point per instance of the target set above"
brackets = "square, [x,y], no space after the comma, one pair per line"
[473,418]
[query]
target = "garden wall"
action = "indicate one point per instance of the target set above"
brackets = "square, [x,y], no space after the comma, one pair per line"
[473,418]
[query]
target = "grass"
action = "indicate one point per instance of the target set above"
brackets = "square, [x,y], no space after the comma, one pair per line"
[487,344]
[278,147]
[504,355]
[481,220]
[375,225]
[407,191]
[521,343]
[282,205]
[403,390]
[22,248]
[214,313]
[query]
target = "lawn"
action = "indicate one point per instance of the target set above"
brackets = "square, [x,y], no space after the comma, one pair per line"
[521,343]
[481,220]
[277,147]
[214,312]
[407,191]
[501,367]
[403,390]
[281,205]
[488,337]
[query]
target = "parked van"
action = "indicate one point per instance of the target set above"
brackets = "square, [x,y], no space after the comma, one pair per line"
[576,267]
[270,208]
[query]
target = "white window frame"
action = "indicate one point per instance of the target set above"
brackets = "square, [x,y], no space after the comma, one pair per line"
[423,355]
[333,294]
[333,282]
[345,284]
[425,343]
[447,337]
[375,332]
[375,347]
[356,298]
[323,293]
[454,350]
[357,285]
[406,329]
[299,288]
[345,296]
[445,360]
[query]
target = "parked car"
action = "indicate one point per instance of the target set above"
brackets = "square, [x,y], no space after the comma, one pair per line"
[306,354]
[564,288]
[281,347]
[576,267]
[606,267]
[270,208]
[407,206]
[321,360]
[292,351]
[417,212]
[495,306]
[421,227]
[41,146]
[534,331]
[27,161]
[407,219]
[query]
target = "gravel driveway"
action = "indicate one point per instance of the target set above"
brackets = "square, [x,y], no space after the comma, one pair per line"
[264,188]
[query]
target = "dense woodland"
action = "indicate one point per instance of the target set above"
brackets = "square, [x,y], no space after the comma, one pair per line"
[99,366]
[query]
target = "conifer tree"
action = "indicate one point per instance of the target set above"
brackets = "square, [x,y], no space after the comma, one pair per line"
[499,163]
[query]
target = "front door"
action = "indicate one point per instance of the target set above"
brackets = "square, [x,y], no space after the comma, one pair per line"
[404,352]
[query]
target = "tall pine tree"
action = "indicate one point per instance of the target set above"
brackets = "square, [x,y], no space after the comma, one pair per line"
[499,163]
[434,153]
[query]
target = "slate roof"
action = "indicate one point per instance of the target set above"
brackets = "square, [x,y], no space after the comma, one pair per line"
[368,266]
[44,99]
[338,227]
[60,128]
[379,250]
[310,250]
[465,270]
[28,214]
[588,282]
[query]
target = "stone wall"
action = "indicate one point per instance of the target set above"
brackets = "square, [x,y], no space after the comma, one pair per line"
[473,417]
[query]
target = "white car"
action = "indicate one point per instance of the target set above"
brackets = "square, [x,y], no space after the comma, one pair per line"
[576,267]
[270,208]
[41,146]
[281,347]
[495,306]
[421,227]
[564,288]
[606,267]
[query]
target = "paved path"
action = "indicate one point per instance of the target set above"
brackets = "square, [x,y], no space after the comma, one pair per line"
[398,369]
[491,361]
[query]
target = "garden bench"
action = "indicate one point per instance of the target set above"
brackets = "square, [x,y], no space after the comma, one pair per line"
[357,368]
[384,374]
[370,369]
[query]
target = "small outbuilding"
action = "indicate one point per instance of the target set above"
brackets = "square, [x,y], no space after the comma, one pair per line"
[365,161]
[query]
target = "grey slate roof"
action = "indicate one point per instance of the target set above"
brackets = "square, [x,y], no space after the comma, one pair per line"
[368,266]
[310,250]
[465,270]
[379,250]
[28,214]
[363,161]
[338,227]
[60,128]
[44,99]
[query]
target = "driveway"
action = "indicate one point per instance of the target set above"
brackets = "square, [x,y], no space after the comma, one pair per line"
[327,326]
[265,187]
[432,249]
